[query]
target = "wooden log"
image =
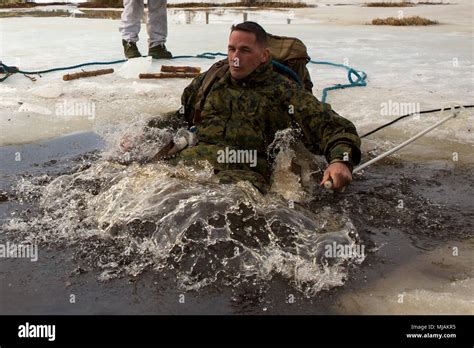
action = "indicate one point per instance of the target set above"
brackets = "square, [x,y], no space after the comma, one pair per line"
[184,69]
[79,75]
[167,75]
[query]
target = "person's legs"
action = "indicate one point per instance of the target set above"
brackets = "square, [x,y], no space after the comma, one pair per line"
[157,27]
[130,26]
[131,19]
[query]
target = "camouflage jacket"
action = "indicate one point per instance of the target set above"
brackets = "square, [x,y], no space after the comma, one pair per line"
[246,114]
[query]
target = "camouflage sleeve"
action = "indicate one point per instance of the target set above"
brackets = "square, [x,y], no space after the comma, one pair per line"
[325,132]
[184,116]
[172,120]
[189,98]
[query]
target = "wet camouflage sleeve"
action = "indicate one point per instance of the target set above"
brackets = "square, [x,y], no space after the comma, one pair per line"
[189,98]
[325,132]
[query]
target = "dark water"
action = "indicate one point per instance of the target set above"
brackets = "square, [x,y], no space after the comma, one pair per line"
[437,212]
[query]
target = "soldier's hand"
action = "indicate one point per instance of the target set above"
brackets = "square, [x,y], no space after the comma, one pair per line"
[339,173]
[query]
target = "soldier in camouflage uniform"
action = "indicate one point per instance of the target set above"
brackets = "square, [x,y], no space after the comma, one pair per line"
[249,103]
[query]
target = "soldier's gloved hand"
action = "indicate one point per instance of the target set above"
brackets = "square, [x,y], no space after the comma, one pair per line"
[182,139]
[340,174]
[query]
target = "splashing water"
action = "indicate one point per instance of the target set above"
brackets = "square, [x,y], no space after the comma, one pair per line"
[292,174]
[127,219]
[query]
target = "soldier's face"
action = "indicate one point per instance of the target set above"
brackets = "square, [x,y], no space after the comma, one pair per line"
[245,54]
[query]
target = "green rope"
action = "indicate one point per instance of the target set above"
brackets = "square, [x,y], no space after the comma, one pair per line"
[360,82]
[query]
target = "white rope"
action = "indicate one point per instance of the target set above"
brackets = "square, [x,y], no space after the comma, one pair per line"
[328,183]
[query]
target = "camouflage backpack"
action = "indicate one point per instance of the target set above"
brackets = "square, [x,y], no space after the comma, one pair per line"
[292,53]
[288,51]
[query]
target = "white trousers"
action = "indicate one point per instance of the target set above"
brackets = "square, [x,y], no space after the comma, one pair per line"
[157,24]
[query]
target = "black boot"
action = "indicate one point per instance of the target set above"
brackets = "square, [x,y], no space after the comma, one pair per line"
[159,52]
[130,49]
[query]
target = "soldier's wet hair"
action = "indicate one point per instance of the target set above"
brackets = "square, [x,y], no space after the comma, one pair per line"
[252,27]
